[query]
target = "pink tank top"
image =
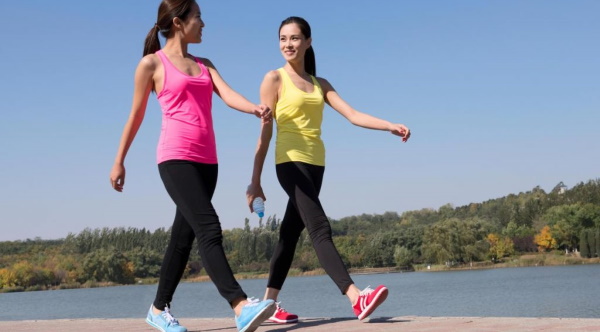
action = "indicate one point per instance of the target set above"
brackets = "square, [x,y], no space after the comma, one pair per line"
[187,128]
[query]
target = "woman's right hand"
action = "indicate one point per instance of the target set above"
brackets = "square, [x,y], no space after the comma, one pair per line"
[263,112]
[117,177]
[253,191]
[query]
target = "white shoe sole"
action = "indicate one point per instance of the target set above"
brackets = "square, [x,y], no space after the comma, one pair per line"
[151,323]
[282,321]
[266,313]
[154,325]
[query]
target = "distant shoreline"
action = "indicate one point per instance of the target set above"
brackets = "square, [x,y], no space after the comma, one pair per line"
[526,260]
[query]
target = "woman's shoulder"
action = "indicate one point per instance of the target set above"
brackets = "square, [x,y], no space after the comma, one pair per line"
[324,83]
[273,76]
[149,62]
[204,61]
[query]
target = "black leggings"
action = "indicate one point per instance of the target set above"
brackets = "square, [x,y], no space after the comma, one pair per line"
[191,186]
[302,183]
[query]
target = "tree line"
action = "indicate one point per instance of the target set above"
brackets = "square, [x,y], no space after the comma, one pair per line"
[532,221]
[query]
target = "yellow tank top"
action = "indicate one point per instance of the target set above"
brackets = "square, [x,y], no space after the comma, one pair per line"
[299,116]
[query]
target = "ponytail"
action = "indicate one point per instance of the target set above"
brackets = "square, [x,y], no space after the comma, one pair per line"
[310,64]
[167,11]
[152,43]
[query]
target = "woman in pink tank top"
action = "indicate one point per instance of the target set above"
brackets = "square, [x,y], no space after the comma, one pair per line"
[187,158]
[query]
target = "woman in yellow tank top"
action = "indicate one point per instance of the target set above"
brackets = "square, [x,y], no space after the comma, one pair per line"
[297,99]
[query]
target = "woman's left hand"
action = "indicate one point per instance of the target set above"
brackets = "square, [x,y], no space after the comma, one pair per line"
[400,130]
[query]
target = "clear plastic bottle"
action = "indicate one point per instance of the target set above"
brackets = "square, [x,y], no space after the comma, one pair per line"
[259,206]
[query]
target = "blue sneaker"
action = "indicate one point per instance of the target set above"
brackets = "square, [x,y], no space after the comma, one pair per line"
[253,314]
[164,321]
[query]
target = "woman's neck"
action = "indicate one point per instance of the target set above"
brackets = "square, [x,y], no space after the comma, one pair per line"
[176,46]
[296,67]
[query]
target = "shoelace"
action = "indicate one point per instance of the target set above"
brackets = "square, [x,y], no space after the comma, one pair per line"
[367,291]
[252,302]
[279,308]
[168,317]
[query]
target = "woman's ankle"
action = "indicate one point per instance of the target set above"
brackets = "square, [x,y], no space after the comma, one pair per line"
[352,293]
[238,304]
[271,294]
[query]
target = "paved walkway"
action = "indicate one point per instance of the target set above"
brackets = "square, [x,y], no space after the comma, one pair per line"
[404,324]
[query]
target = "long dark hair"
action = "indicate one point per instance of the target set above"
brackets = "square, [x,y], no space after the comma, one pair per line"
[310,65]
[167,11]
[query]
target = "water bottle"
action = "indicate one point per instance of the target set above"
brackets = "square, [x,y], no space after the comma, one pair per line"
[259,206]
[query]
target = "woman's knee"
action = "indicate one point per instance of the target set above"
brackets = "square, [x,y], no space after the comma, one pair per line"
[320,231]
[289,232]
[183,246]
[210,234]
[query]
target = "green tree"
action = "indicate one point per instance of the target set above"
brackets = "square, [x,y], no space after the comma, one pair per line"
[588,215]
[403,257]
[108,265]
[564,224]
[584,248]
[499,246]
[597,241]
[376,252]
[145,263]
[454,241]
[521,236]
[591,240]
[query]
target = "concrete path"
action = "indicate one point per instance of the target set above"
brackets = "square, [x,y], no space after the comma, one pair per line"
[404,324]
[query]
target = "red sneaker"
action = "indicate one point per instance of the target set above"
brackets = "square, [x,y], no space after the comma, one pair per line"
[369,300]
[282,317]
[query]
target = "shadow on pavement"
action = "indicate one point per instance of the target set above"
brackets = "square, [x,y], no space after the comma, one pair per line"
[314,322]
[388,320]
[307,323]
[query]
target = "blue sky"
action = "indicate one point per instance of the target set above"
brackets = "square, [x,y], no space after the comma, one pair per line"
[501,96]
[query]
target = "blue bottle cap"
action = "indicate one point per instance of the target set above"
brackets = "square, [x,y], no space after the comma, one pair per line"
[261,214]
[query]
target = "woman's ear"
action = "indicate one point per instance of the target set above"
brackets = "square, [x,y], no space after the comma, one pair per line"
[309,41]
[177,22]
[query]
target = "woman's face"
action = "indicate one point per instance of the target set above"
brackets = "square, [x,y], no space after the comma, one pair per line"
[292,42]
[193,24]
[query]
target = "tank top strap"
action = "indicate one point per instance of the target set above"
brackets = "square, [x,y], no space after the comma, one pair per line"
[202,66]
[285,78]
[198,61]
[163,58]
[317,85]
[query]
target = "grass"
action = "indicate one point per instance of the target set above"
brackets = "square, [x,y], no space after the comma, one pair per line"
[527,260]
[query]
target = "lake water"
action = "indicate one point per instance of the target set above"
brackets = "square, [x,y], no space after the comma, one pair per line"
[557,291]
